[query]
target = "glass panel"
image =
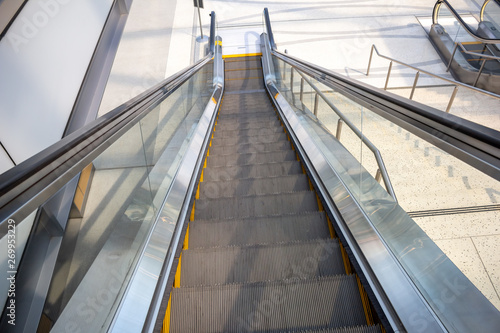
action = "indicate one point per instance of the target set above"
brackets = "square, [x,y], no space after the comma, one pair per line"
[11,250]
[452,208]
[127,186]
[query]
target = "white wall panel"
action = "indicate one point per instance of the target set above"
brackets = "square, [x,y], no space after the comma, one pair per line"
[43,60]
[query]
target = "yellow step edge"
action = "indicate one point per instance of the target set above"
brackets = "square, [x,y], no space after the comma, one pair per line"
[366,303]
[185,246]
[166,319]
[177,279]
[241,55]
[191,217]
[330,227]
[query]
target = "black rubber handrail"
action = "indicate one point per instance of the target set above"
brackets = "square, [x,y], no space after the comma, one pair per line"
[27,185]
[474,144]
[435,14]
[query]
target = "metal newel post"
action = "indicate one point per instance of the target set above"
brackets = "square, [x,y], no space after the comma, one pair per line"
[480,71]
[339,129]
[370,61]
[452,56]
[301,88]
[452,98]
[414,85]
[388,74]
[316,104]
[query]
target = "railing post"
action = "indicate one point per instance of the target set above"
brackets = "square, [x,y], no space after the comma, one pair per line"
[452,56]
[291,79]
[316,104]
[301,88]
[370,61]
[451,99]
[339,129]
[480,72]
[388,74]
[378,176]
[414,85]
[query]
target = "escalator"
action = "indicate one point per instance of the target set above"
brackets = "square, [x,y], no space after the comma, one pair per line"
[221,201]
[258,256]
[469,43]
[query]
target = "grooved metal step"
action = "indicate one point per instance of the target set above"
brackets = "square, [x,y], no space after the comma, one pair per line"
[244,84]
[236,133]
[247,187]
[261,230]
[202,267]
[250,158]
[242,63]
[250,148]
[243,74]
[352,329]
[264,137]
[271,121]
[284,305]
[252,171]
[260,205]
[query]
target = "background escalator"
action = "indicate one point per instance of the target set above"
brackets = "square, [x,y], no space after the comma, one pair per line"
[259,254]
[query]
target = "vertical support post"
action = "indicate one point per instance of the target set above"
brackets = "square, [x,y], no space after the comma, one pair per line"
[199,18]
[388,75]
[316,104]
[452,56]
[414,85]
[451,99]
[480,71]
[291,84]
[378,176]
[339,129]
[301,88]
[370,61]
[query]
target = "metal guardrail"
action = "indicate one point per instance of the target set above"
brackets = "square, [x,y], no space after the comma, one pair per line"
[455,83]
[382,170]
[480,55]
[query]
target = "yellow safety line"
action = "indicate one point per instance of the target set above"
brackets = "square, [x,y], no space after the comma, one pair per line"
[241,55]
[276,96]
[166,319]
[471,43]
[218,42]
[345,257]
[191,217]
[320,205]
[177,280]
[185,246]
[366,303]
[330,227]
[213,100]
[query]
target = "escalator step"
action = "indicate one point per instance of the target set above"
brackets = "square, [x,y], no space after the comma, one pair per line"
[292,304]
[242,74]
[242,63]
[252,171]
[263,138]
[250,148]
[250,158]
[352,329]
[202,267]
[271,121]
[223,132]
[247,187]
[244,84]
[262,230]
[260,205]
